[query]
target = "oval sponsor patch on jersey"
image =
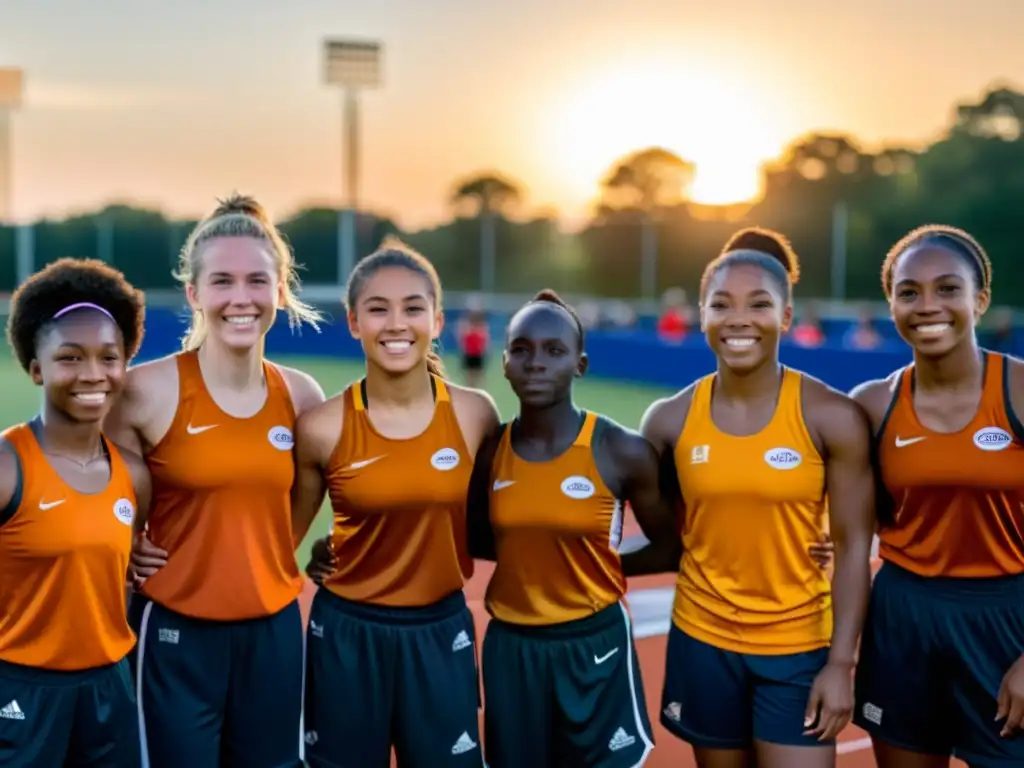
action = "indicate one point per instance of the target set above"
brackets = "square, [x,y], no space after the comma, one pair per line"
[992,439]
[124,511]
[782,458]
[578,487]
[445,459]
[281,438]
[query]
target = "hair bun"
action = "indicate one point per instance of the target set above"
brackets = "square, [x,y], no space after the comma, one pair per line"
[768,241]
[236,203]
[550,295]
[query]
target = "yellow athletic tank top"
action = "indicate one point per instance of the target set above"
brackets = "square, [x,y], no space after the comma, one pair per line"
[754,505]
[557,529]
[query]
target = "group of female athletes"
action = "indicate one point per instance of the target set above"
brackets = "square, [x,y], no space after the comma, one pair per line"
[213,463]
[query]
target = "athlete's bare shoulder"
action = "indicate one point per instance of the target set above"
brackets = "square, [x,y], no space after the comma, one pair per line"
[318,429]
[625,445]
[149,386]
[145,409]
[162,372]
[305,391]
[664,419]
[476,413]
[142,480]
[874,397]
[1016,377]
[10,471]
[828,411]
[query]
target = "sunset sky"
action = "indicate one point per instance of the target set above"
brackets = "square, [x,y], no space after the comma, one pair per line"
[173,104]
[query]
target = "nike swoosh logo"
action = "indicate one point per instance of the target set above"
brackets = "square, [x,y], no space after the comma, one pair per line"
[499,484]
[900,443]
[50,504]
[198,430]
[364,462]
[603,659]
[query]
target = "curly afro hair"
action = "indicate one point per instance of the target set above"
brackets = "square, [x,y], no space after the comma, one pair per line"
[66,282]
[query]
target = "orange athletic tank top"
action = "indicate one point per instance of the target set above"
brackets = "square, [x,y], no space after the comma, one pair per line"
[222,504]
[399,534]
[557,528]
[63,562]
[754,505]
[959,497]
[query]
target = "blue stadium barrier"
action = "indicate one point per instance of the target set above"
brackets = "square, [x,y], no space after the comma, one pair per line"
[648,360]
[634,355]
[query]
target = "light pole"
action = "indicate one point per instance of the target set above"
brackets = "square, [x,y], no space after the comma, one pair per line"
[353,66]
[12,83]
[10,99]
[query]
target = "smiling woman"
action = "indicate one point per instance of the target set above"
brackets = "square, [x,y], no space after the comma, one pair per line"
[720,125]
[215,424]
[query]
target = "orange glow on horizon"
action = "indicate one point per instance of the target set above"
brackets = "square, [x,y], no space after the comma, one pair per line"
[716,122]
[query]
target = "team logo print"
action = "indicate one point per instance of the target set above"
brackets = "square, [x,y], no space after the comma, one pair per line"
[445,459]
[281,438]
[783,458]
[124,511]
[578,487]
[992,439]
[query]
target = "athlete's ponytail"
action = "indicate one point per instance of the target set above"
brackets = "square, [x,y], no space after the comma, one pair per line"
[435,365]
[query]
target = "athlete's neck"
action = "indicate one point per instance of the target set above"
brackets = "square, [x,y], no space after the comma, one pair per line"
[962,366]
[236,369]
[557,422]
[749,385]
[406,390]
[74,439]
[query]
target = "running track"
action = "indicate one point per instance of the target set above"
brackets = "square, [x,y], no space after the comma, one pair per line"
[650,600]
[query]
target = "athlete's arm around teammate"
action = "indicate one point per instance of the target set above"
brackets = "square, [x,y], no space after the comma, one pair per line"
[756,666]
[394,451]
[561,678]
[68,500]
[941,670]
[843,430]
[219,625]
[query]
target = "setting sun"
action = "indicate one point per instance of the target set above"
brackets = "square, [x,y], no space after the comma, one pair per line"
[708,119]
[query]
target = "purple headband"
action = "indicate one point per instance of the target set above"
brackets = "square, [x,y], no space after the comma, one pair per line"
[82,305]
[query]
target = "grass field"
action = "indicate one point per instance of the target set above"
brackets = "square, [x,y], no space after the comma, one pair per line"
[622,402]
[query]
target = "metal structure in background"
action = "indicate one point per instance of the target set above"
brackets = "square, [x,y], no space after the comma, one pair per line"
[840,227]
[353,66]
[11,86]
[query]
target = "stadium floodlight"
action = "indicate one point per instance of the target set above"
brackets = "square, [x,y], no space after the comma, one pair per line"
[354,66]
[11,85]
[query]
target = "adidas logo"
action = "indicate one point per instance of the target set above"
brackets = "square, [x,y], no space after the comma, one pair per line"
[674,711]
[461,641]
[620,740]
[12,712]
[464,743]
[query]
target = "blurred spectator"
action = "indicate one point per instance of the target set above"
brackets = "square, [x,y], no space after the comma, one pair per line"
[620,315]
[589,313]
[674,321]
[807,332]
[474,336]
[1000,337]
[863,335]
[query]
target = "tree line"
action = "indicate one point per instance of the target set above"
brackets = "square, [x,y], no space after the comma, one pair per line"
[645,233]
